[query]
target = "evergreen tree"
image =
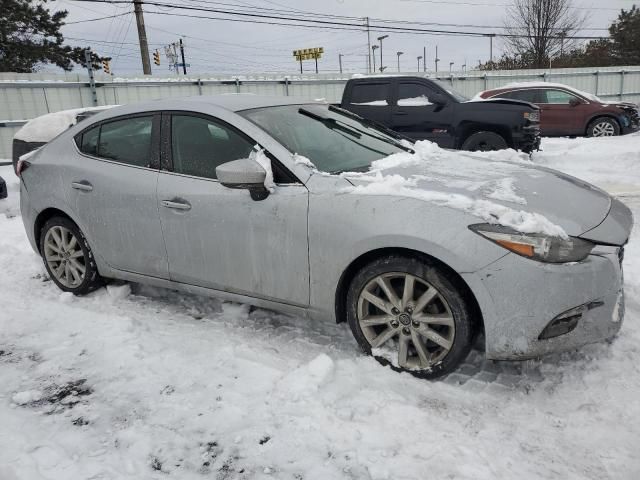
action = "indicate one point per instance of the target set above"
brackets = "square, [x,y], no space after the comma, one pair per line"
[625,37]
[30,37]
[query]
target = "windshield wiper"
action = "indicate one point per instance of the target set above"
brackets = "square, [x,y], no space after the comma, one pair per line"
[376,125]
[331,123]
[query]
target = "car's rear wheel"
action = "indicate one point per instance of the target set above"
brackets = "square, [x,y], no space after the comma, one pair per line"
[603,127]
[484,142]
[410,315]
[68,257]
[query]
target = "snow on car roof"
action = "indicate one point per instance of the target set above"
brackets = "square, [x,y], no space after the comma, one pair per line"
[590,96]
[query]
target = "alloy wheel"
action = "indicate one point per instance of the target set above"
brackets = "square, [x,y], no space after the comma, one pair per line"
[406,320]
[64,256]
[603,129]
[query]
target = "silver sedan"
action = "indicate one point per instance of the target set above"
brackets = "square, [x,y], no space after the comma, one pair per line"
[302,207]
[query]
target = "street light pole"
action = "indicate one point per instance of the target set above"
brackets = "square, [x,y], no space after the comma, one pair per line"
[437,59]
[340,61]
[451,66]
[373,55]
[380,40]
[399,53]
[419,58]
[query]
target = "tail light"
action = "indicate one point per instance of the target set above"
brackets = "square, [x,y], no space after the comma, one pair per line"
[22,166]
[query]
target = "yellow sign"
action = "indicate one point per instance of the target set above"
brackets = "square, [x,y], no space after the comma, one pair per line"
[308,53]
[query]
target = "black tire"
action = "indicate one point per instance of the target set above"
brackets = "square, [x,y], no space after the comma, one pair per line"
[437,277]
[603,127]
[484,142]
[91,279]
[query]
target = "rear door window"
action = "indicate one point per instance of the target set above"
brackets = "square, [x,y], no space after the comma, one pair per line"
[524,95]
[557,97]
[127,141]
[372,94]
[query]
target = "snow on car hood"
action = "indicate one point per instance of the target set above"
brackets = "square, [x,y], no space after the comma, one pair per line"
[498,187]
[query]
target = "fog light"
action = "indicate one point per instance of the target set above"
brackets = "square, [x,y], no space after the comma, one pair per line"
[567,321]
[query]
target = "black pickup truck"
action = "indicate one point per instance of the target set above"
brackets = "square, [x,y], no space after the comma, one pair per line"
[426,109]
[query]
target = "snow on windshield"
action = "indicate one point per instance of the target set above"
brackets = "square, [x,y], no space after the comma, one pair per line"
[373,103]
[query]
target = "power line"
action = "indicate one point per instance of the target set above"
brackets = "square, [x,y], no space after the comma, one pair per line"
[453,2]
[99,18]
[311,23]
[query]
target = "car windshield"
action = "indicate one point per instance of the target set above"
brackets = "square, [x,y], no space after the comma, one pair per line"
[334,141]
[446,86]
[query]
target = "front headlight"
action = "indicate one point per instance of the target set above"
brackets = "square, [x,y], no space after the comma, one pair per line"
[533,117]
[536,246]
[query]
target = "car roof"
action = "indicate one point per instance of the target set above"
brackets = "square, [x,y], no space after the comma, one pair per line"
[234,102]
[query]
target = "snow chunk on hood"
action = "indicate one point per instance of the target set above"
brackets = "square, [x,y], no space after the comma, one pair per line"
[456,180]
[47,127]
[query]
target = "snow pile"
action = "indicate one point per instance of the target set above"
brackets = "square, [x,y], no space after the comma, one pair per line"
[28,396]
[302,160]
[46,127]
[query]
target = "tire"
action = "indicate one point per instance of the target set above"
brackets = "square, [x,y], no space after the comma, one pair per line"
[603,127]
[484,142]
[62,242]
[397,333]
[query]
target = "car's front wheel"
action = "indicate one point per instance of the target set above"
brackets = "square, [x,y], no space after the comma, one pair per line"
[484,142]
[68,257]
[603,127]
[410,315]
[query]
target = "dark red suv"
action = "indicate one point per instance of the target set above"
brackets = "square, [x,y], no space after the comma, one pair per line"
[567,111]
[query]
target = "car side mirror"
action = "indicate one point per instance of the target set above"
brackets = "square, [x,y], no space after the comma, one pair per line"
[245,173]
[574,102]
[438,99]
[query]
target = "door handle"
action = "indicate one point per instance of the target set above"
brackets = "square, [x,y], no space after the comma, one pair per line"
[176,205]
[82,185]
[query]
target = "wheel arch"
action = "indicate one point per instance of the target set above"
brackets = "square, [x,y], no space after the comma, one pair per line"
[358,263]
[42,218]
[597,116]
[466,129]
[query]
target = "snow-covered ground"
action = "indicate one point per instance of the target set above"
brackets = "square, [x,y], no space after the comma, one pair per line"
[142,383]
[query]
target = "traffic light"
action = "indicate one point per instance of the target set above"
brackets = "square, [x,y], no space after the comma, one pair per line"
[156,57]
[105,67]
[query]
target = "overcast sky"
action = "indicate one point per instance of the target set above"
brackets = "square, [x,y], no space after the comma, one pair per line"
[215,46]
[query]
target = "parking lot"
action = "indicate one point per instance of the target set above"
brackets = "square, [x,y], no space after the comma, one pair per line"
[139,382]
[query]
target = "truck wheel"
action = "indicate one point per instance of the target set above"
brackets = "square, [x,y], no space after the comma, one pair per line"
[603,127]
[484,142]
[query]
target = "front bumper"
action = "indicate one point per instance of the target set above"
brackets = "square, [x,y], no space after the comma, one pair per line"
[528,139]
[520,297]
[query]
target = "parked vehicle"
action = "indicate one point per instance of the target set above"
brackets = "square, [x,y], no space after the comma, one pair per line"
[264,200]
[40,130]
[567,111]
[426,109]
[3,188]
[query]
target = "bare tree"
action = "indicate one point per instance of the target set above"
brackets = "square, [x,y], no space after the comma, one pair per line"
[542,29]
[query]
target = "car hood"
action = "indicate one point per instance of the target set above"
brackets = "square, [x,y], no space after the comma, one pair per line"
[509,190]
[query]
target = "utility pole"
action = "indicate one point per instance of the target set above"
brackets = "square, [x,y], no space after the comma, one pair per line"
[437,59]
[491,48]
[419,62]
[184,64]
[399,53]
[451,67]
[373,50]
[340,61]
[424,62]
[142,37]
[92,80]
[369,44]
[380,40]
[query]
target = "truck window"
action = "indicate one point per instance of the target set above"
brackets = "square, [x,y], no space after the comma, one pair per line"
[373,94]
[413,95]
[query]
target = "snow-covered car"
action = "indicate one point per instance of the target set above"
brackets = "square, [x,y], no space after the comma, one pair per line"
[567,111]
[309,209]
[41,130]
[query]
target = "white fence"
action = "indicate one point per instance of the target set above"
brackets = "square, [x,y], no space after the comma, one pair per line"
[25,96]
